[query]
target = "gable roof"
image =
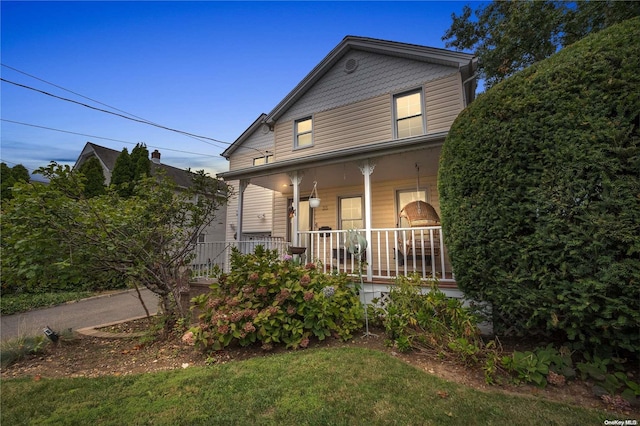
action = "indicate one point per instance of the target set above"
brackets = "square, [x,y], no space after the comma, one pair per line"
[465,62]
[108,156]
[244,136]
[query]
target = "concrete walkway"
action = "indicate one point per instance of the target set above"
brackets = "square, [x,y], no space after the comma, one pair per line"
[94,311]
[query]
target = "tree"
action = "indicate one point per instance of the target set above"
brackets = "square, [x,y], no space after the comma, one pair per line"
[123,174]
[9,177]
[140,162]
[37,254]
[20,173]
[540,195]
[149,237]
[6,181]
[92,171]
[508,36]
[129,169]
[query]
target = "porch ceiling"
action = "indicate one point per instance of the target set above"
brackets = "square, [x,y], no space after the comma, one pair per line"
[347,173]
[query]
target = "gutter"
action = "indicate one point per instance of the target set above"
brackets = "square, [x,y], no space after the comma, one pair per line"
[341,156]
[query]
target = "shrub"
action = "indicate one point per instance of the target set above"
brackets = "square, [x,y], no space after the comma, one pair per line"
[540,195]
[268,300]
[431,321]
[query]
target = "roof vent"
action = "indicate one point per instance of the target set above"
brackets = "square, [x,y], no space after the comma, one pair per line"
[351,65]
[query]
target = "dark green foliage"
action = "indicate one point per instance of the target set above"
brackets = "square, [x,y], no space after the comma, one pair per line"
[140,162]
[20,173]
[508,36]
[272,301]
[22,302]
[123,174]
[540,195]
[9,176]
[55,239]
[39,251]
[94,184]
[6,181]
[130,169]
[433,321]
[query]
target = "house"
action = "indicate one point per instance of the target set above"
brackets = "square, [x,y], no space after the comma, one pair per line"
[363,132]
[182,178]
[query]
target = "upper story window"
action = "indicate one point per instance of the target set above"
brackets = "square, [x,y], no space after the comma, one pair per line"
[409,117]
[303,132]
[267,159]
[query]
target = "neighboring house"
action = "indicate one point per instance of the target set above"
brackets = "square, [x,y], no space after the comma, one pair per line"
[182,178]
[365,128]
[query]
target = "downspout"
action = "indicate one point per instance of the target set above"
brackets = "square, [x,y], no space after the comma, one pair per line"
[473,65]
[464,92]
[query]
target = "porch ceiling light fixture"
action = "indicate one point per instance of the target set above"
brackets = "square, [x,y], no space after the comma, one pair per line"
[314,200]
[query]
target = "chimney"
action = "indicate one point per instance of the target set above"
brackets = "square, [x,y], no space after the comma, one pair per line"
[155,156]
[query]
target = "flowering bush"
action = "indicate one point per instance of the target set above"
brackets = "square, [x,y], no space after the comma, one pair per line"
[270,300]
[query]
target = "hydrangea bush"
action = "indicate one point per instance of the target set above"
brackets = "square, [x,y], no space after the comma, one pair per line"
[275,301]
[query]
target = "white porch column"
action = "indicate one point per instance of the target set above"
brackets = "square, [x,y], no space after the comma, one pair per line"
[296,178]
[366,167]
[243,185]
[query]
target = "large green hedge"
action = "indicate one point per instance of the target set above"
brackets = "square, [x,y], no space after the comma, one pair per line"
[540,195]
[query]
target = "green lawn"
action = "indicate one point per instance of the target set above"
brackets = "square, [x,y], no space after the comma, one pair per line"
[311,387]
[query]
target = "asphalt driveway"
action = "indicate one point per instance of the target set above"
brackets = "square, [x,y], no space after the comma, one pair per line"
[90,312]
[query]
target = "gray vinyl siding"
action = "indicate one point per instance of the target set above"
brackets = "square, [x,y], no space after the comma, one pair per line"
[375,75]
[251,148]
[444,101]
[279,215]
[257,200]
[356,109]
[232,211]
[353,125]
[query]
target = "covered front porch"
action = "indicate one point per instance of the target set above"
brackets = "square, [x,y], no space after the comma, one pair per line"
[364,191]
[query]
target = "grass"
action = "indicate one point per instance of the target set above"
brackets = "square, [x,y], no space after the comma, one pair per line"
[346,386]
[14,350]
[16,303]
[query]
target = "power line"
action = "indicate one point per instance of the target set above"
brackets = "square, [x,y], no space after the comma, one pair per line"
[108,139]
[91,99]
[119,115]
[71,91]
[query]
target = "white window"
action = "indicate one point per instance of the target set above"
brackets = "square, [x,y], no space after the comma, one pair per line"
[351,213]
[409,117]
[267,159]
[303,133]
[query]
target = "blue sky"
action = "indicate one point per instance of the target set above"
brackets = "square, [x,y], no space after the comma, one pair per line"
[207,68]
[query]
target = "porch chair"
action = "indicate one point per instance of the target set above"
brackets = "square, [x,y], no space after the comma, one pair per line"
[419,214]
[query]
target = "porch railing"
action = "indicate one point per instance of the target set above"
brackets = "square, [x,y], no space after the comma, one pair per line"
[394,252]
[218,253]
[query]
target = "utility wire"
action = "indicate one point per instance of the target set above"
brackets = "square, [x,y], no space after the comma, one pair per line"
[91,99]
[120,115]
[108,139]
[71,91]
